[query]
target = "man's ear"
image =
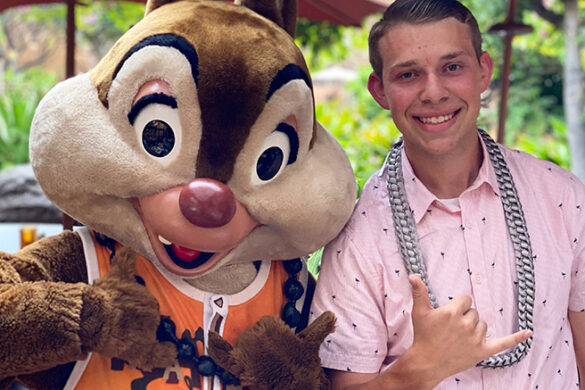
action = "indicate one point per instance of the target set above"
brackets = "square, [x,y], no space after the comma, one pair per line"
[486,65]
[376,88]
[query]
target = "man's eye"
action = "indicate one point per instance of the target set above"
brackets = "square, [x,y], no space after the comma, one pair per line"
[407,75]
[453,67]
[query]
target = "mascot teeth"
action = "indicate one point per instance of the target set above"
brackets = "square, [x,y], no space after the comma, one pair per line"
[164,240]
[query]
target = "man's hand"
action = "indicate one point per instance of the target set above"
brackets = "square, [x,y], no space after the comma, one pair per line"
[447,340]
[451,338]
[120,318]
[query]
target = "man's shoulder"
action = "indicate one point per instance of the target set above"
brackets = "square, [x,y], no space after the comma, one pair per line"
[537,172]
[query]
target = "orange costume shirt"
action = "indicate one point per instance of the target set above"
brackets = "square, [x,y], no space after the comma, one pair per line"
[193,312]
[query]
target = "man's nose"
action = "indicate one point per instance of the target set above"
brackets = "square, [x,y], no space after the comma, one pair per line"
[434,89]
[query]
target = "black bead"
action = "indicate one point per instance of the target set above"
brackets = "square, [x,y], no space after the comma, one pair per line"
[293,289]
[206,366]
[228,378]
[293,266]
[166,330]
[185,350]
[139,280]
[290,315]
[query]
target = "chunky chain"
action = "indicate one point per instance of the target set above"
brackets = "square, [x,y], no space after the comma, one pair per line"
[410,251]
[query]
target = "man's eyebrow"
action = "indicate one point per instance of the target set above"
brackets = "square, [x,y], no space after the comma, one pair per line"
[405,64]
[453,55]
[411,63]
[144,101]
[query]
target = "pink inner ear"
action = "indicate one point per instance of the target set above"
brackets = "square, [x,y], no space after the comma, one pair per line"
[291,120]
[153,86]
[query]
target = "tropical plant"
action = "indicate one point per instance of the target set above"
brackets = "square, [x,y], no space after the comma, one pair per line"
[20,93]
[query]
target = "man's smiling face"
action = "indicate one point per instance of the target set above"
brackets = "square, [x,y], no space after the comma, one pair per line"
[432,82]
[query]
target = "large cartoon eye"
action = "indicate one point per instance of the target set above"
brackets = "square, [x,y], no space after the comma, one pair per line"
[158,138]
[279,149]
[157,125]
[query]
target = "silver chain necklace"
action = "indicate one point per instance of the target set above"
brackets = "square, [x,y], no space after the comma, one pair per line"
[410,251]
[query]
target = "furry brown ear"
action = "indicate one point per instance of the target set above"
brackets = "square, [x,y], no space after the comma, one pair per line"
[151,5]
[281,12]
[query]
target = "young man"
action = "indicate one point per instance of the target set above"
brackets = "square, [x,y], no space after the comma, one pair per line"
[495,234]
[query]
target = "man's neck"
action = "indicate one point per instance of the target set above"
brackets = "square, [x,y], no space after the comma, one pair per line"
[448,176]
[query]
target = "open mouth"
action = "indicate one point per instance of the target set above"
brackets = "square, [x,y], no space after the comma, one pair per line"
[436,120]
[185,257]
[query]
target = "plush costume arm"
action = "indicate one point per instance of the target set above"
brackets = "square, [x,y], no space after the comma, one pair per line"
[49,315]
[40,305]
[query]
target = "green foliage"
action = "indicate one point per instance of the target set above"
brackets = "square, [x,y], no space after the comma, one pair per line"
[324,43]
[19,97]
[99,23]
[321,42]
[314,262]
[364,129]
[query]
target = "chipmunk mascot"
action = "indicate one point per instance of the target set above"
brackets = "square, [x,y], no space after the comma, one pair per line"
[192,156]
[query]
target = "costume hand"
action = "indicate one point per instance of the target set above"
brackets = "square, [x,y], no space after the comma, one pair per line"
[271,356]
[452,338]
[120,318]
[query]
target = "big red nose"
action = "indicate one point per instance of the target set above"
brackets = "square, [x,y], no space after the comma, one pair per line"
[207,203]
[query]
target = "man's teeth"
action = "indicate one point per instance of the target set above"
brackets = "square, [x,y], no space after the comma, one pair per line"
[164,240]
[436,119]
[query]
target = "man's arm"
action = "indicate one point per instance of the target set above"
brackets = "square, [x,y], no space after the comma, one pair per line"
[447,340]
[577,321]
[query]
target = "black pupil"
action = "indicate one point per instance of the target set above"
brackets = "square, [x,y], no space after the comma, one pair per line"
[158,138]
[269,163]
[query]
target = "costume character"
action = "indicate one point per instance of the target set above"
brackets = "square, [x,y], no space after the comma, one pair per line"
[192,156]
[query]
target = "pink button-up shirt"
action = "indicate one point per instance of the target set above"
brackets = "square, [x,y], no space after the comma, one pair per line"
[467,250]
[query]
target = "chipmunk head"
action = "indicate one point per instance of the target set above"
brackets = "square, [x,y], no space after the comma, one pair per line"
[194,140]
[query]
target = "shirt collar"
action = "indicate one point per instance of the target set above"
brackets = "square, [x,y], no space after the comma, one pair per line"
[420,198]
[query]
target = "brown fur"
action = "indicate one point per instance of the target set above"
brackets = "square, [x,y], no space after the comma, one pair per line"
[267,355]
[115,316]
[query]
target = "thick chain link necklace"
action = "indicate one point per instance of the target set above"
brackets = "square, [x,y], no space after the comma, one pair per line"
[410,251]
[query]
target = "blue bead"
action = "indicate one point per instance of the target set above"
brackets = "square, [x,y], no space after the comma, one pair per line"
[293,289]
[206,366]
[293,266]
[290,315]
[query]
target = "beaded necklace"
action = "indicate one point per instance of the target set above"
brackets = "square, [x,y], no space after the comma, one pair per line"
[410,251]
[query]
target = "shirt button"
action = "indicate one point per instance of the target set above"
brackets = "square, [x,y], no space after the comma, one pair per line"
[491,387]
[478,278]
[468,226]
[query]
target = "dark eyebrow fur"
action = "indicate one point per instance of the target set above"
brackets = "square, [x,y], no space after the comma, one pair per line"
[286,74]
[144,101]
[168,40]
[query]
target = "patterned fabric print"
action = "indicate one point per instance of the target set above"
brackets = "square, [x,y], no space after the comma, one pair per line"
[186,308]
[467,251]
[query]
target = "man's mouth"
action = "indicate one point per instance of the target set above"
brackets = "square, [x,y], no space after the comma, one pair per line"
[435,120]
[185,257]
